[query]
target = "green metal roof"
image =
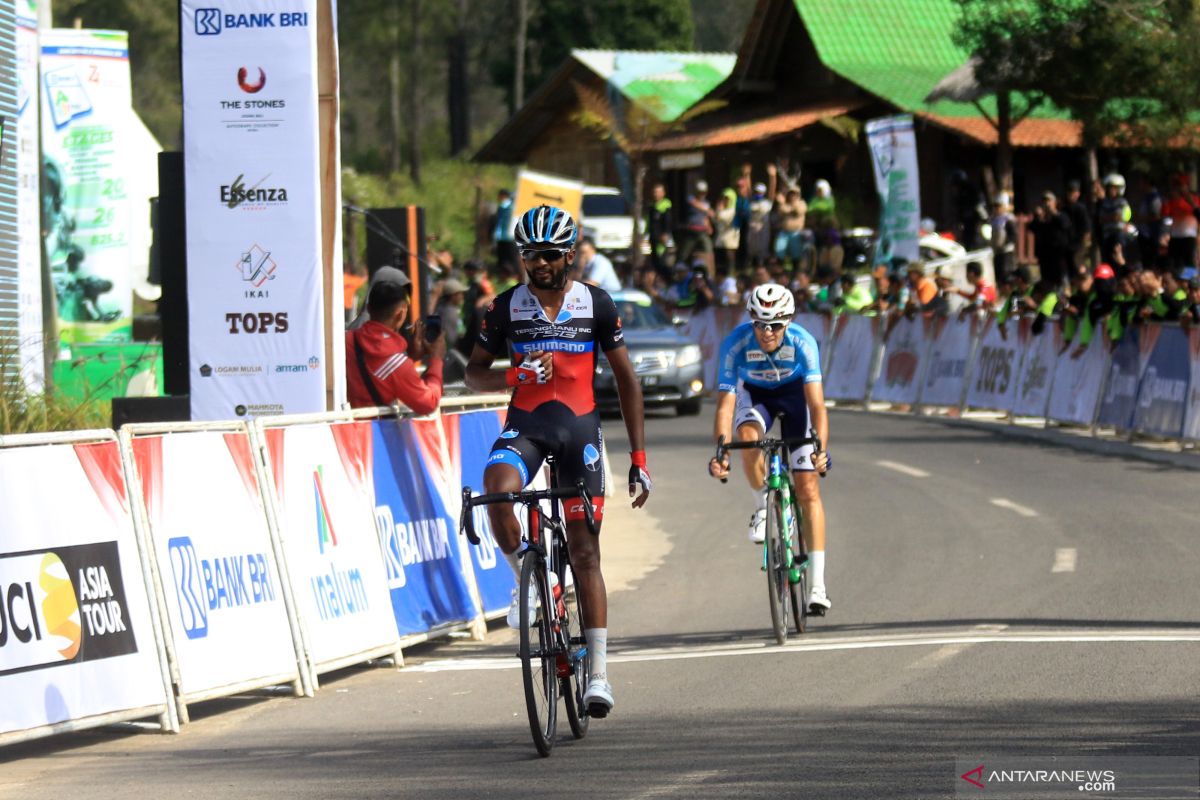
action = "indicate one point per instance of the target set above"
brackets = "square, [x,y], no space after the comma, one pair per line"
[895,49]
[666,83]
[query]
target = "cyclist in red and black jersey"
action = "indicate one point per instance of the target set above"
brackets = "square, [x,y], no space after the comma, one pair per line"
[551,329]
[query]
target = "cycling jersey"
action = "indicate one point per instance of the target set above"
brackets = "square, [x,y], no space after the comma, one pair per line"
[588,317]
[742,359]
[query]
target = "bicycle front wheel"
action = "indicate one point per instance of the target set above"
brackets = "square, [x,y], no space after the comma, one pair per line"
[537,653]
[777,570]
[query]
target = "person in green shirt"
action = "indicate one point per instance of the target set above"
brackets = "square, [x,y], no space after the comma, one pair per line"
[1087,305]
[855,298]
[1014,288]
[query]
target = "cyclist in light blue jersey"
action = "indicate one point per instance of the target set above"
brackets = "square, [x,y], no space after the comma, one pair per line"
[770,367]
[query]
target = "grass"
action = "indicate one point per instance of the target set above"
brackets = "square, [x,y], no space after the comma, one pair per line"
[30,411]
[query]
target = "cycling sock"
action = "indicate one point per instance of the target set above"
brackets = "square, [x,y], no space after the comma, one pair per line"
[597,645]
[816,566]
[511,558]
[760,498]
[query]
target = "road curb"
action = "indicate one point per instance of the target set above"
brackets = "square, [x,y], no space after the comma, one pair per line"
[1051,436]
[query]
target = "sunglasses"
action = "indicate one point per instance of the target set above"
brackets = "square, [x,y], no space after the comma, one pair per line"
[548,255]
[770,326]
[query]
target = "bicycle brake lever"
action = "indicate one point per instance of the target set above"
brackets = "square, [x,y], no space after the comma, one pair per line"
[720,453]
[466,521]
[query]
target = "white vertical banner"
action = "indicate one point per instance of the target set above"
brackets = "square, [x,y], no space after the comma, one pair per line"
[997,368]
[29,252]
[1037,371]
[949,354]
[1191,417]
[1078,378]
[86,102]
[894,158]
[251,170]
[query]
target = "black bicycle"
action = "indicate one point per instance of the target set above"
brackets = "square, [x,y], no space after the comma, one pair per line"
[784,557]
[553,649]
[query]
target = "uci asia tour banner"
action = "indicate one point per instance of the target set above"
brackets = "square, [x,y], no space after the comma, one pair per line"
[86,117]
[894,158]
[253,208]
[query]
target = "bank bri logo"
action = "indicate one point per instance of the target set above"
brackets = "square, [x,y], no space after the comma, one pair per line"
[211,22]
[325,532]
[208,21]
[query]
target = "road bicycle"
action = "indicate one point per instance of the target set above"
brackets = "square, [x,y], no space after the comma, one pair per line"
[553,650]
[784,557]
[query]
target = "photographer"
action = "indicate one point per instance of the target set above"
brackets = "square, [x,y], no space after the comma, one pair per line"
[379,362]
[690,292]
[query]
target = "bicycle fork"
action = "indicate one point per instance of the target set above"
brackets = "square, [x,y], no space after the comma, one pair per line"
[776,482]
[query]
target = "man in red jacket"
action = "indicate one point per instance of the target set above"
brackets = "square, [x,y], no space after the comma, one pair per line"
[379,363]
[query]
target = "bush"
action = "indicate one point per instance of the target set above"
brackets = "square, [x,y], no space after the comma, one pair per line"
[26,411]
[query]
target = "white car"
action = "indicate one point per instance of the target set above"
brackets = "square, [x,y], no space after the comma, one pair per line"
[608,221]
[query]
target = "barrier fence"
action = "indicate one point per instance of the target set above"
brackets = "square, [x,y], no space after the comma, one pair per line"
[179,562]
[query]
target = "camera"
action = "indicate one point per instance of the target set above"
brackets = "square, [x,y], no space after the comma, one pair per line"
[433,327]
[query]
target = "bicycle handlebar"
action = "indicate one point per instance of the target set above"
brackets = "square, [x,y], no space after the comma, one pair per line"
[528,497]
[766,444]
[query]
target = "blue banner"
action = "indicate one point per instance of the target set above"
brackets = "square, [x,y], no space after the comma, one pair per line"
[1163,392]
[477,431]
[424,574]
[1120,396]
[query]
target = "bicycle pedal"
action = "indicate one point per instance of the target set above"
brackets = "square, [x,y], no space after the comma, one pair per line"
[598,710]
[816,611]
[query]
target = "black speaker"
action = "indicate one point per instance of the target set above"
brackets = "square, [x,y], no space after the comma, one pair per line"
[407,226]
[170,246]
[150,409]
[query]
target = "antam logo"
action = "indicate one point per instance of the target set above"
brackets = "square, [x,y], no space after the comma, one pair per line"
[246,85]
[977,780]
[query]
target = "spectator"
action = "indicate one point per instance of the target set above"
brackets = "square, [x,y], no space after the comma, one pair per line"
[1051,240]
[594,267]
[1149,223]
[1087,304]
[1004,236]
[728,235]
[1040,304]
[1081,225]
[922,292]
[829,237]
[696,234]
[969,209]
[1182,207]
[981,294]
[658,228]
[475,302]
[1126,301]
[757,234]
[741,214]
[382,275]
[1191,309]
[821,206]
[794,241]
[727,292]
[507,258]
[801,287]
[379,363]
[450,309]
[690,292]
[1170,302]
[1017,285]
[856,297]
[883,292]
[1113,214]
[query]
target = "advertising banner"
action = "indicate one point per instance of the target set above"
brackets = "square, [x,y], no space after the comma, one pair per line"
[1163,391]
[903,351]
[894,158]
[709,327]
[28,248]
[417,532]
[949,352]
[253,208]
[1077,381]
[76,635]
[997,368]
[1124,376]
[538,188]
[222,587]
[850,370]
[494,578]
[1037,370]
[821,327]
[1191,425]
[86,112]
[325,498]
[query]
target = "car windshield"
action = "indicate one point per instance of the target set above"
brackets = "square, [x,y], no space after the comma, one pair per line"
[604,205]
[634,315]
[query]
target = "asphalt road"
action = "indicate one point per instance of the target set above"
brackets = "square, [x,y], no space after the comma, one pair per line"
[991,598]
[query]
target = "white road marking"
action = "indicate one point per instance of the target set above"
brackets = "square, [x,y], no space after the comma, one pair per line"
[951,650]
[903,469]
[1064,559]
[1003,502]
[815,645]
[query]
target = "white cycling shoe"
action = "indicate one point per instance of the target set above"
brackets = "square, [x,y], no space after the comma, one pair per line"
[758,526]
[818,601]
[598,699]
[514,608]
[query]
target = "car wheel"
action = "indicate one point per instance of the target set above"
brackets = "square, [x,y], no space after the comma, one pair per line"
[690,408]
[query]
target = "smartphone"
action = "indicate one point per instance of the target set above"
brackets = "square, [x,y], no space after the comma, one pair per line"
[433,327]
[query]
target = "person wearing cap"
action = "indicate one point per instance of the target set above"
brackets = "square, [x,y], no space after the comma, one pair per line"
[1051,239]
[1113,214]
[696,233]
[1087,304]
[757,235]
[379,363]
[381,275]
[821,209]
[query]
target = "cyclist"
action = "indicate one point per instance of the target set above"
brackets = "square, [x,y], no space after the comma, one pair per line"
[769,366]
[551,328]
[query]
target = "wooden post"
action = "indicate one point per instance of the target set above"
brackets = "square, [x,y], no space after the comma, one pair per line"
[329,145]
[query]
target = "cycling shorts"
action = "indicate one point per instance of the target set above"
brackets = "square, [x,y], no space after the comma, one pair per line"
[574,442]
[764,406]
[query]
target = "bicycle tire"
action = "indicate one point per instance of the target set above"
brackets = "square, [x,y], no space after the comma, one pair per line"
[573,687]
[777,577]
[799,590]
[538,672]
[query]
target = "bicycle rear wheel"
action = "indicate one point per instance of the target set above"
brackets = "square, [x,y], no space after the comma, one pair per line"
[799,589]
[777,570]
[574,685]
[537,653]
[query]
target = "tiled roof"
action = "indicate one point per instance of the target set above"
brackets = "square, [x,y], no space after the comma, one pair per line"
[1029,132]
[756,129]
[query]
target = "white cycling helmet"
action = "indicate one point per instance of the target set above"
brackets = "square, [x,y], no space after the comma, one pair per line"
[771,302]
[1113,179]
